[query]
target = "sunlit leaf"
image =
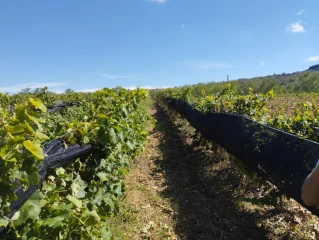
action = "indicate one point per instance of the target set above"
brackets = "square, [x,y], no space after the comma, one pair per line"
[38,104]
[34,148]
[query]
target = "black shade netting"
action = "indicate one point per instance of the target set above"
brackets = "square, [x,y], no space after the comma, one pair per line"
[279,157]
[60,106]
[56,156]
[52,109]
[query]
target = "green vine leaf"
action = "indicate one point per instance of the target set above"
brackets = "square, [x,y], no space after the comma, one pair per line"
[74,200]
[38,104]
[34,148]
[78,187]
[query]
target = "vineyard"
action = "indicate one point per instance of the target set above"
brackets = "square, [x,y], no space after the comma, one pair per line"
[74,201]
[293,113]
[64,157]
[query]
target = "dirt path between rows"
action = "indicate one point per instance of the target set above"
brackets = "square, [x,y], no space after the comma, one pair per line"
[146,213]
[178,190]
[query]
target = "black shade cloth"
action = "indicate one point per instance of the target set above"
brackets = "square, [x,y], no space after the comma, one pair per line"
[279,157]
[60,106]
[56,156]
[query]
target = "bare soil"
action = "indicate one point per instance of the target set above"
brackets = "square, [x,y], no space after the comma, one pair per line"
[181,190]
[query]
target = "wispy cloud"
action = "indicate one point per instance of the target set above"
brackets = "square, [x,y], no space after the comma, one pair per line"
[208,65]
[88,90]
[183,25]
[262,63]
[300,12]
[147,87]
[313,59]
[157,1]
[58,91]
[295,28]
[32,86]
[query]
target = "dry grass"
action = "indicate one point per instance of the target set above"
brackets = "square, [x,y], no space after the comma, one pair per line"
[181,190]
[288,104]
[251,218]
[144,213]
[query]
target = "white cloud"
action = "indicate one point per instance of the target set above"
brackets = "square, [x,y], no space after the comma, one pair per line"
[146,87]
[208,65]
[157,1]
[262,63]
[88,90]
[295,27]
[313,59]
[32,86]
[300,12]
[58,91]
[183,25]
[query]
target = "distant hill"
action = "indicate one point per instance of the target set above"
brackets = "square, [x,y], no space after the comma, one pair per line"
[314,67]
[284,76]
[297,82]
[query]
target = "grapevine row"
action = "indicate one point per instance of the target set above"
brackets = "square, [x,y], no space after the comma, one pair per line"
[75,201]
[304,121]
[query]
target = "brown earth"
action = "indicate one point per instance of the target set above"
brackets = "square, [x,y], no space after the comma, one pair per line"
[181,190]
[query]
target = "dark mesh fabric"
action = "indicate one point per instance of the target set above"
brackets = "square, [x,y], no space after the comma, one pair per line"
[56,156]
[279,157]
[60,106]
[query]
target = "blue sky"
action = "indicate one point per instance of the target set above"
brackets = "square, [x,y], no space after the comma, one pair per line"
[87,45]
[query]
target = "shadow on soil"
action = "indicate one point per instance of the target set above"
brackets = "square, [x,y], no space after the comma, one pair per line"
[202,198]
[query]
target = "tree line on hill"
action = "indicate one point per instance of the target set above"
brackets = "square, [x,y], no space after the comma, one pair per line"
[314,67]
[298,82]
